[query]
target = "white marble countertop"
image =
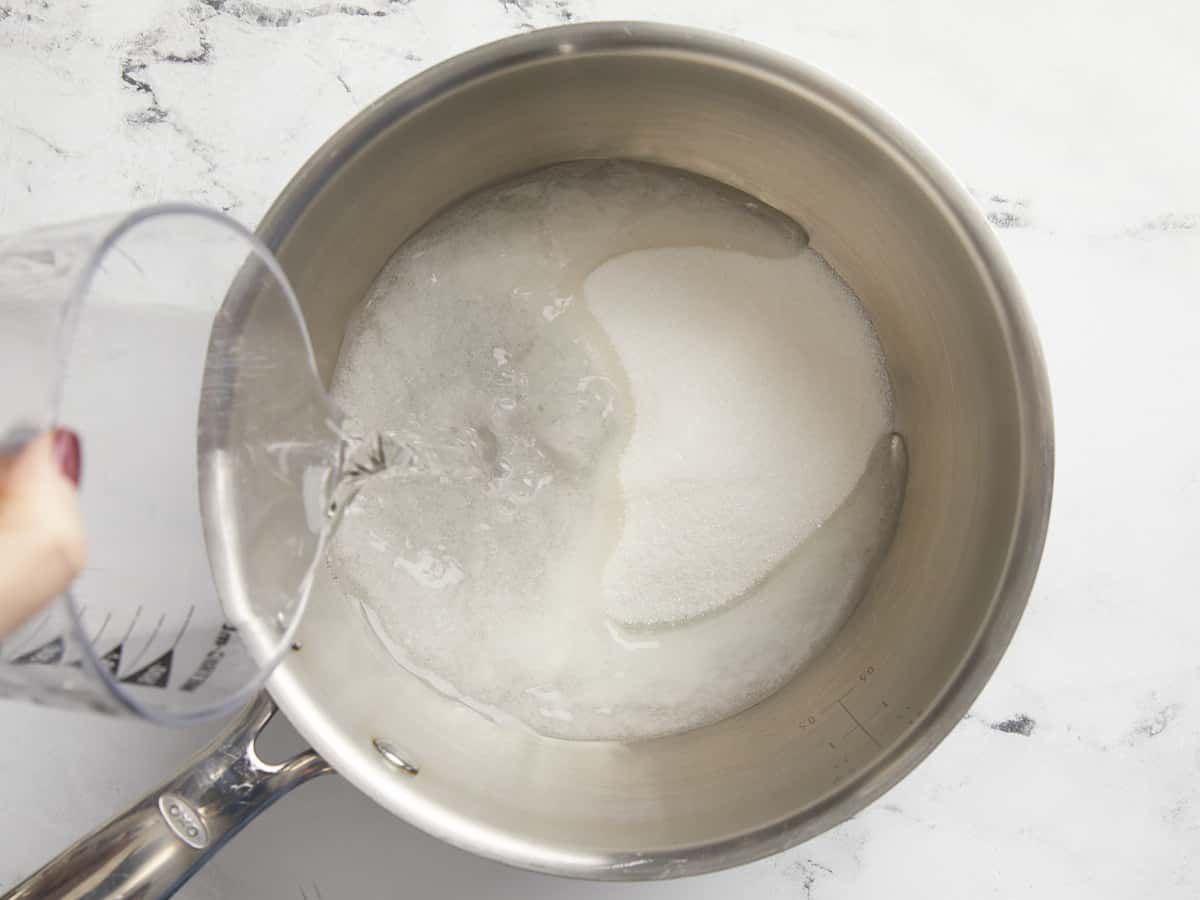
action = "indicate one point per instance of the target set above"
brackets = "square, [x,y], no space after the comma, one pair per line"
[1077,774]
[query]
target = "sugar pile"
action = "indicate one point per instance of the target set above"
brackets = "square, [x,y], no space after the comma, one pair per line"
[681,417]
[759,393]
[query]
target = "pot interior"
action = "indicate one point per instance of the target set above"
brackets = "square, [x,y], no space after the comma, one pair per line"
[969,398]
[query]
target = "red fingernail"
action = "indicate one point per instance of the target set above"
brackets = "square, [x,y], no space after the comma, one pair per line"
[67,454]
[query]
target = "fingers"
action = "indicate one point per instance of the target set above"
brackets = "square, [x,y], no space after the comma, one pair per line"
[42,546]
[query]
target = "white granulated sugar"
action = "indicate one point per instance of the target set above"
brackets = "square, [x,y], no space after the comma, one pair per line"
[680,416]
[758,394]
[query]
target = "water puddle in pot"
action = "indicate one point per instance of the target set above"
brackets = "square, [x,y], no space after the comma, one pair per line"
[636,452]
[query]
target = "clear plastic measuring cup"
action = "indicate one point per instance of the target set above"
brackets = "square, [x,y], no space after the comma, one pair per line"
[132,331]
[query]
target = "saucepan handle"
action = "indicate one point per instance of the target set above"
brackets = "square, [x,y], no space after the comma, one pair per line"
[151,849]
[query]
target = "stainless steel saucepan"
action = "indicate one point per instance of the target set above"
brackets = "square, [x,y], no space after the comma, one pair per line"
[971,399]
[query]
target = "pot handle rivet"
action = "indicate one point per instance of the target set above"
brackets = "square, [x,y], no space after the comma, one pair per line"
[389,752]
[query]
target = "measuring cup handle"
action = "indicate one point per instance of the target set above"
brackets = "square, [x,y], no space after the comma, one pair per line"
[151,849]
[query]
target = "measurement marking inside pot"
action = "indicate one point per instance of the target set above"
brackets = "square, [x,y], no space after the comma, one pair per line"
[846,694]
[860,725]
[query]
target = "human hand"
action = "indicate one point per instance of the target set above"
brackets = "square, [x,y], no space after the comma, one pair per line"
[42,546]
